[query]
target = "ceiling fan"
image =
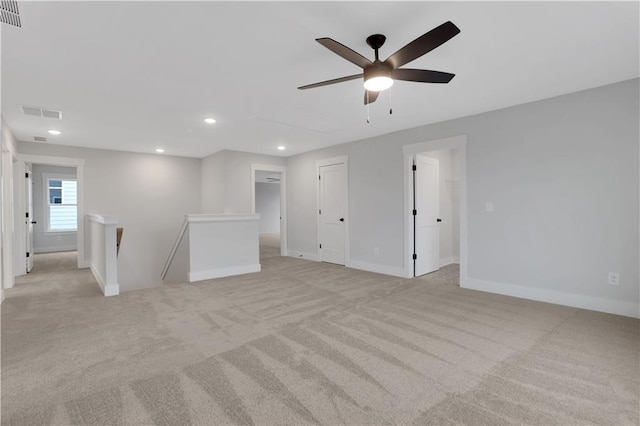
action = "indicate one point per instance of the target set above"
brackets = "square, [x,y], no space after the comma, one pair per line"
[379,75]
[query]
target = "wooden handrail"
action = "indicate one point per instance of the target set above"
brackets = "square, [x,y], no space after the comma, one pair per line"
[174,249]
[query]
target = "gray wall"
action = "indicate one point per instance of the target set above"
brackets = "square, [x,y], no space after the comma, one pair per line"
[226,180]
[562,174]
[149,193]
[48,242]
[268,205]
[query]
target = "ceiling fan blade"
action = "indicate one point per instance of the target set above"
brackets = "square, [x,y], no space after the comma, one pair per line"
[371,98]
[423,44]
[421,76]
[328,82]
[343,51]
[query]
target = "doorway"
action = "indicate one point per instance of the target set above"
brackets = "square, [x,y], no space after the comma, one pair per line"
[50,190]
[51,204]
[267,202]
[435,200]
[436,207]
[269,199]
[333,212]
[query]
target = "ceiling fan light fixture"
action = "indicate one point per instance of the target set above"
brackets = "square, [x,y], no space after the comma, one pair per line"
[377,77]
[379,83]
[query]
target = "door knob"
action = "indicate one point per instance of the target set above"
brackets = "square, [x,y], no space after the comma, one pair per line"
[439,220]
[342,219]
[34,222]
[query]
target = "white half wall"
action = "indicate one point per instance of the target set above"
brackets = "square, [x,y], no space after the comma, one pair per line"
[562,175]
[103,259]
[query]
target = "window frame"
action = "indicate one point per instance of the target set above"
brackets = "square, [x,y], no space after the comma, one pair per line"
[46,177]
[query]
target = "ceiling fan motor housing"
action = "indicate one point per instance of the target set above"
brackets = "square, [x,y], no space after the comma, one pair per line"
[377,69]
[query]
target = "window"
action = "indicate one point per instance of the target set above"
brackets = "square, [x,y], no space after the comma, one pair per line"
[62,196]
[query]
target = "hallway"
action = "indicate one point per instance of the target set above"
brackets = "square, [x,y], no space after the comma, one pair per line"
[55,273]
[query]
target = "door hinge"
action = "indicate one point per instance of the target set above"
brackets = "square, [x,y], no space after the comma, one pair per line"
[27,214]
[318,177]
[26,175]
[28,254]
[414,168]
[320,245]
[415,212]
[320,211]
[415,256]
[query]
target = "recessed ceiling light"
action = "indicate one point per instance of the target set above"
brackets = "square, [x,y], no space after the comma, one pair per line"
[55,132]
[209,120]
[281,147]
[159,150]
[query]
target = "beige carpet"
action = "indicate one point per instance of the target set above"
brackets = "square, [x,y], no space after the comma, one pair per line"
[306,342]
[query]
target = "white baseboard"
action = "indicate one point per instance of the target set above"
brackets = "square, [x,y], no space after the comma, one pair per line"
[223,272]
[377,268]
[627,309]
[303,255]
[107,289]
[54,249]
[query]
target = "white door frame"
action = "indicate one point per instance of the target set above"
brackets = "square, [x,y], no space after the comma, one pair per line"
[410,151]
[283,198]
[78,163]
[8,231]
[330,162]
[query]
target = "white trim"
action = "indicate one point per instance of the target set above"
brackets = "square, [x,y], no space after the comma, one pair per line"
[283,198]
[7,213]
[343,159]
[409,151]
[223,272]
[377,268]
[55,249]
[107,289]
[78,163]
[618,307]
[303,255]
[199,218]
[103,219]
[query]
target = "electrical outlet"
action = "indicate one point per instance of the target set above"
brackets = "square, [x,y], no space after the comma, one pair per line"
[614,278]
[489,206]
[376,251]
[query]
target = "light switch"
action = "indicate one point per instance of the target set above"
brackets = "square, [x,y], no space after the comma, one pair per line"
[489,206]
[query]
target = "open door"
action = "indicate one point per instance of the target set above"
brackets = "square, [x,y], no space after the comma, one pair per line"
[426,211]
[29,215]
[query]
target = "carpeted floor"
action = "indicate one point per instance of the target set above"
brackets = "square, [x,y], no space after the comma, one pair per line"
[307,342]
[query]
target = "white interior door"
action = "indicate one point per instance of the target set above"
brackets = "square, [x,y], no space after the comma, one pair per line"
[332,213]
[30,220]
[426,204]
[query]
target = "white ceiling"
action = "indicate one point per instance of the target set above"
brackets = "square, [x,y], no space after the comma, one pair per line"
[138,75]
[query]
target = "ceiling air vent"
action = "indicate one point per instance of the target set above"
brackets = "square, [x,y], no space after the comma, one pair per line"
[39,139]
[9,13]
[42,112]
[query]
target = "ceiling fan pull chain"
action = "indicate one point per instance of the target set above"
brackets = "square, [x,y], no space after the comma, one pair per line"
[389,98]
[368,120]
